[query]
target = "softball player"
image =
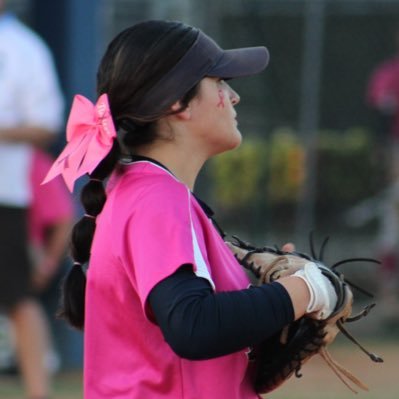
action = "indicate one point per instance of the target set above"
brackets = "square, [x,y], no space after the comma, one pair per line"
[167,311]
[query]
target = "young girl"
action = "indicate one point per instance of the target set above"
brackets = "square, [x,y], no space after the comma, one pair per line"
[167,311]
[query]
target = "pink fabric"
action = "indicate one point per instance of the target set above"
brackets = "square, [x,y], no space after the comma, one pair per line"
[90,135]
[383,86]
[51,203]
[144,233]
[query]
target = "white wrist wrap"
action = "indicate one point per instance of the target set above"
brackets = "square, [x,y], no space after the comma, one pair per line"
[322,293]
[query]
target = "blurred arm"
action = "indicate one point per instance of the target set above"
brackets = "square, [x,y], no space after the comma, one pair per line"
[53,253]
[27,134]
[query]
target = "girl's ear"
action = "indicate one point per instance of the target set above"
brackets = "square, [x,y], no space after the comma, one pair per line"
[185,114]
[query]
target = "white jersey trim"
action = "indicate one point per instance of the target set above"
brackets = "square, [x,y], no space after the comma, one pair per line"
[202,269]
[129,162]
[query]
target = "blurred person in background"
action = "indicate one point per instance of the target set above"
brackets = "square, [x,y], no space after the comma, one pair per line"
[50,216]
[383,97]
[31,114]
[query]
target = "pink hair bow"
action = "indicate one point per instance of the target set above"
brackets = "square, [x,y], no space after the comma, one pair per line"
[90,135]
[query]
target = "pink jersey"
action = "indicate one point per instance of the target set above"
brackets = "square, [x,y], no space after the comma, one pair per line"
[51,202]
[151,225]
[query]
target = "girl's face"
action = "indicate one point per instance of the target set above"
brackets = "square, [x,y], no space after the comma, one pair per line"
[215,117]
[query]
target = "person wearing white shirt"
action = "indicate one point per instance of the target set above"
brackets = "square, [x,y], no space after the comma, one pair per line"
[31,114]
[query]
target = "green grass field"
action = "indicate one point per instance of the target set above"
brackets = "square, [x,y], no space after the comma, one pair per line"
[318,381]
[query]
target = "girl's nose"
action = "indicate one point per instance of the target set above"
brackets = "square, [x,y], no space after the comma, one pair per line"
[234,97]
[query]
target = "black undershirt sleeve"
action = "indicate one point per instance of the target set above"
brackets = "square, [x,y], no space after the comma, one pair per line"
[200,324]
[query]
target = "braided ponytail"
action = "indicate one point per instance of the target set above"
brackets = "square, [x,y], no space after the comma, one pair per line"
[93,198]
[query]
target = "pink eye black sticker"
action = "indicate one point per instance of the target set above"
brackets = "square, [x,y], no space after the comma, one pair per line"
[221,98]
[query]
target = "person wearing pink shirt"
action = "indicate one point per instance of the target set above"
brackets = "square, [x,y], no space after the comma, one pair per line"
[166,309]
[50,217]
[383,96]
[383,92]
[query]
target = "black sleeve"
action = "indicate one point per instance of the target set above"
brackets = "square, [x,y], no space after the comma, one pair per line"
[201,324]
